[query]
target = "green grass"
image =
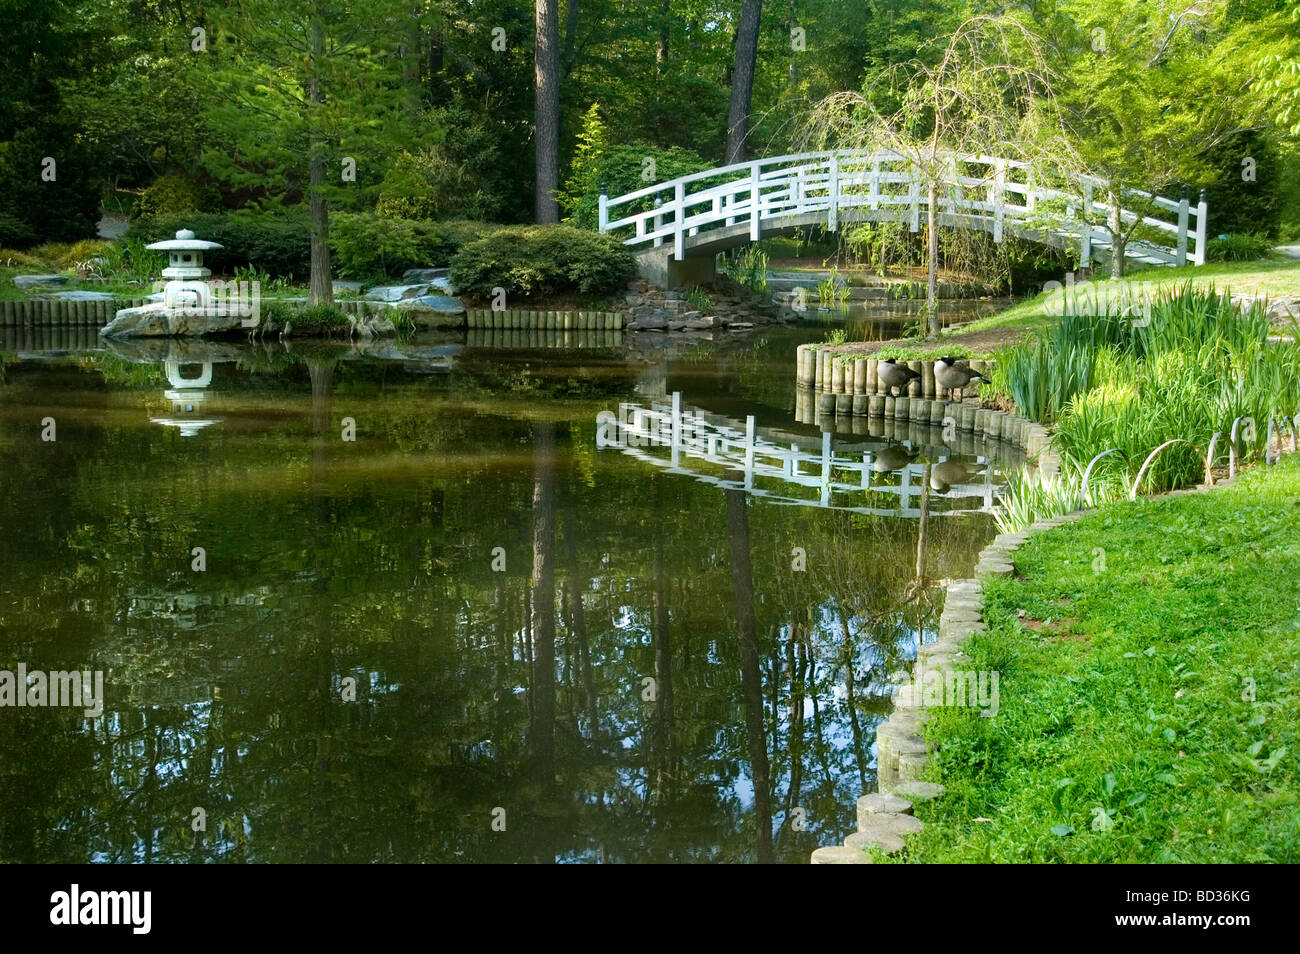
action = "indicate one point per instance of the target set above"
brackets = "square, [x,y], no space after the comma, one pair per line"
[1154,717]
[1274,278]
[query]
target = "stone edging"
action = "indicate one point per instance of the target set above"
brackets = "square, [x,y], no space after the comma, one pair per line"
[901,753]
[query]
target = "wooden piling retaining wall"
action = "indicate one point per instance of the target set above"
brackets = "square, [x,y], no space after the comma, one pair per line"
[55,311]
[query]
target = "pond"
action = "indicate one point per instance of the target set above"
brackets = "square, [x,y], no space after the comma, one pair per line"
[450,603]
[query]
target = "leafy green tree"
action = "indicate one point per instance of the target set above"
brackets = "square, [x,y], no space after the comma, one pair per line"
[307,95]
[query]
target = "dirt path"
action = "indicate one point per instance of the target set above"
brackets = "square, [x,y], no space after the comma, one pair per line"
[978,342]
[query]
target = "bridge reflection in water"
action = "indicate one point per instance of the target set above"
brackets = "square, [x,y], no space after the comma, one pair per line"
[800,470]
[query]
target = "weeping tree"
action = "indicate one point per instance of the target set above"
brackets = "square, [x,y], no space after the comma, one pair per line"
[987,91]
[1152,91]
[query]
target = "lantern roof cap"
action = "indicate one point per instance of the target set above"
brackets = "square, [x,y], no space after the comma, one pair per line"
[184,241]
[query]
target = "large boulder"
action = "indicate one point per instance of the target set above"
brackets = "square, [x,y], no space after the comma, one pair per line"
[82,296]
[33,281]
[158,321]
[434,311]
[426,275]
[396,292]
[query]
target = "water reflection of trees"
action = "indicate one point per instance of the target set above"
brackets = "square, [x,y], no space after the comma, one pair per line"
[475,689]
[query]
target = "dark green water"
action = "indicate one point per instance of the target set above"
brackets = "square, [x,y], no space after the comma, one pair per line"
[481,693]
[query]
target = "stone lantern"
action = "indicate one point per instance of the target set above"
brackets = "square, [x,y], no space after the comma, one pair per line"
[185,272]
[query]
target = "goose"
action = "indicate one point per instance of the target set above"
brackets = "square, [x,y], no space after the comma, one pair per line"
[894,375]
[946,473]
[949,375]
[893,457]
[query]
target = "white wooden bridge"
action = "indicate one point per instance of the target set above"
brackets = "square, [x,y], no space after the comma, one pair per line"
[805,473]
[706,212]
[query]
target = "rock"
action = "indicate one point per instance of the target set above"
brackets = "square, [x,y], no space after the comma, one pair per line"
[157,321]
[434,311]
[698,324]
[375,327]
[396,292]
[882,803]
[917,791]
[651,322]
[32,281]
[740,325]
[427,275]
[891,843]
[341,285]
[840,855]
[83,296]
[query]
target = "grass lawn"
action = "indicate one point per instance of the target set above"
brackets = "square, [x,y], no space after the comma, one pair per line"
[979,338]
[1149,704]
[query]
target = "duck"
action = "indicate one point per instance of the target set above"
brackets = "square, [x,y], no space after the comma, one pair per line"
[894,375]
[893,457]
[949,375]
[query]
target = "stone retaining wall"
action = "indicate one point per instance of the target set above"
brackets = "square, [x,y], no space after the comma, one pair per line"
[885,816]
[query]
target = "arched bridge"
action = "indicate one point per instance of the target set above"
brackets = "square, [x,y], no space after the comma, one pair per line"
[695,216]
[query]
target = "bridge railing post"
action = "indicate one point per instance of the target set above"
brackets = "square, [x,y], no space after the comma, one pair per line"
[999,186]
[1183,205]
[1085,242]
[833,190]
[659,222]
[914,196]
[604,210]
[1202,210]
[679,221]
[754,225]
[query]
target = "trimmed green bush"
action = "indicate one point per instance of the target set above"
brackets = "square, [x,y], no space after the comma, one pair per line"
[1236,247]
[541,260]
[279,244]
[368,246]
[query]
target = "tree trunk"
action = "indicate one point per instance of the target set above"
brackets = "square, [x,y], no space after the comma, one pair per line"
[921,525]
[742,585]
[546,78]
[932,262]
[742,80]
[577,586]
[570,32]
[661,47]
[321,290]
[543,608]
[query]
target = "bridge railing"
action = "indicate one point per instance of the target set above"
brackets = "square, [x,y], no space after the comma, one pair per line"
[985,192]
[684,440]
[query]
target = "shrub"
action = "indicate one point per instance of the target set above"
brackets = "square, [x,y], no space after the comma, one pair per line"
[542,260]
[277,243]
[173,195]
[14,232]
[61,255]
[1238,247]
[318,317]
[369,246]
